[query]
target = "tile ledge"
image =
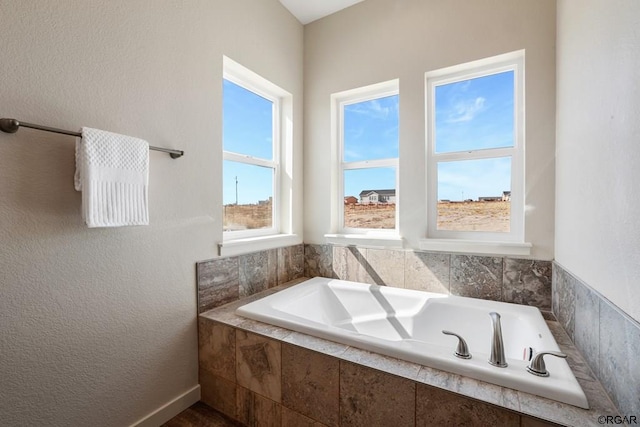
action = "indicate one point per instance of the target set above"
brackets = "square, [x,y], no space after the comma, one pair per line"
[523,403]
[476,247]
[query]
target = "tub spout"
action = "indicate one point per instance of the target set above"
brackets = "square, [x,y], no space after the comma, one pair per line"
[497,347]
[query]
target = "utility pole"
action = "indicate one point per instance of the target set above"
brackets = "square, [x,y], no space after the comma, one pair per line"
[236,191]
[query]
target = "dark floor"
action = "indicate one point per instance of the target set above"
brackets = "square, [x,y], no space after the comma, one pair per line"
[200,415]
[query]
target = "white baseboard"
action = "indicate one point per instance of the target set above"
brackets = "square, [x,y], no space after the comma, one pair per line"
[171,409]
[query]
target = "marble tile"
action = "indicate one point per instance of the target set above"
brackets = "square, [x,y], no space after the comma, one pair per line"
[320,345]
[266,412]
[586,327]
[293,419]
[489,393]
[439,407]
[218,282]
[557,412]
[385,267]
[599,401]
[257,272]
[217,349]
[311,384]
[427,271]
[383,363]
[476,277]
[578,365]
[437,378]
[349,263]
[372,398]
[271,331]
[258,364]
[527,282]
[559,333]
[218,393]
[290,263]
[244,406]
[619,365]
[535,422]
[318,261]
[548,315]
[564,298]
[469,387]
[255,410]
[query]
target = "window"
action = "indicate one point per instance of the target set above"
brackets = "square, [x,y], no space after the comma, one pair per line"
[366,132]
[255,144]
[475,146]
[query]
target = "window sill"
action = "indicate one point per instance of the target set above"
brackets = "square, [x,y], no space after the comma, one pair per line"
[376,241]
[476,247]
[255,244]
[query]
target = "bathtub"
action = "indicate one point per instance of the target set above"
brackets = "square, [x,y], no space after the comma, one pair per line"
[408,325]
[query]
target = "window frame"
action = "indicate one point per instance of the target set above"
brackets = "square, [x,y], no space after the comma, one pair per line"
[281,149]
[508,62]
[338,102]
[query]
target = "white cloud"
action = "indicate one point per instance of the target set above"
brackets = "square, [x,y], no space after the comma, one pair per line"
[373,108]
[464,111]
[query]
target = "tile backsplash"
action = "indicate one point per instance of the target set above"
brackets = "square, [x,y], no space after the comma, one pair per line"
[607,337]
[520,281]
[224,280]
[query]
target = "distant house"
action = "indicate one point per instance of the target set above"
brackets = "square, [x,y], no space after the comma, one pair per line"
[489,199]
[350,200]
[377,196]
[506,196]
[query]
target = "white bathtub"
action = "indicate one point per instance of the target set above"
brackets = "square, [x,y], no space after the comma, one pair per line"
[408,325]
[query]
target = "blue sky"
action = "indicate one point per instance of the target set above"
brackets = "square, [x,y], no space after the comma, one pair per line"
[370,133]
[474,114]
[247,128]
[470,115]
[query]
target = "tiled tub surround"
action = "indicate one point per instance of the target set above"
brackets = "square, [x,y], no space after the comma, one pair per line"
[608,338]
[223,280]
[252,372]
[407,324]
[520,281]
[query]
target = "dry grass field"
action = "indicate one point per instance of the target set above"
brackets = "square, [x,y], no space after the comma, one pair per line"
[475,216]
[243,217]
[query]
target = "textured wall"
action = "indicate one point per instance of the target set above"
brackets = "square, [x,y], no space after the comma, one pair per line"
[379,40]
[597,203]
[98,327]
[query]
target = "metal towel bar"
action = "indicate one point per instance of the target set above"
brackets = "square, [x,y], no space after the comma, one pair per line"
[12,126]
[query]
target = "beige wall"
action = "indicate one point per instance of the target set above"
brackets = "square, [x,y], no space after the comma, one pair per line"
[379,40]
[98,327]
[598,151]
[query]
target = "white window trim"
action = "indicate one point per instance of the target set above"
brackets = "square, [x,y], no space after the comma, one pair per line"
[346,235]
[255,244]
[481,242]
[282,233]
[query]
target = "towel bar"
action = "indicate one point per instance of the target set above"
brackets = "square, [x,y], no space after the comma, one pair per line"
[12,126]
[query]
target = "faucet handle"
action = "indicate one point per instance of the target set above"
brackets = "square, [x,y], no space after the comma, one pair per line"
[462,351]
[537,366]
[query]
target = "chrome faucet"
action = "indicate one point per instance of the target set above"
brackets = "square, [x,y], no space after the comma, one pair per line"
[497,347]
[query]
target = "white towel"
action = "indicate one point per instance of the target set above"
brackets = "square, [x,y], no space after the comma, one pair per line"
[112,171]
